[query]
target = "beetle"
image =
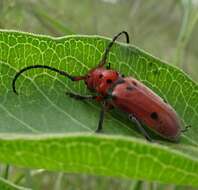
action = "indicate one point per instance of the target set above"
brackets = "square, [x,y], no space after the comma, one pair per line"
[143,106]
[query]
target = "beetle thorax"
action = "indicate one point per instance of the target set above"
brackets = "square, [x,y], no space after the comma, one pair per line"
[100,79]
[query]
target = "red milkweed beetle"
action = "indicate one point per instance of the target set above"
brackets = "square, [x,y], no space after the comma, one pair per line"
[127,94]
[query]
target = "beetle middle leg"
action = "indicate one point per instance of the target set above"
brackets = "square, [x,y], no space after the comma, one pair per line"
[105,107]
[81,97]
[142,130]
[101,119]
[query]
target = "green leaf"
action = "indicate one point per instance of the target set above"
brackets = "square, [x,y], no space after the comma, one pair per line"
[32,122]
[7,185]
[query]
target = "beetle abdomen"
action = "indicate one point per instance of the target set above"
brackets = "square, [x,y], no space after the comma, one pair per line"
[135,98]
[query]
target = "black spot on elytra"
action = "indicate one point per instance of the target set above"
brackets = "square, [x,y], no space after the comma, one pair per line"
[154,115]
[129,88]
[134,83]
[109,81]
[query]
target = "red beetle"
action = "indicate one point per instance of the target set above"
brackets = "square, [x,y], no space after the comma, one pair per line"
[127,94]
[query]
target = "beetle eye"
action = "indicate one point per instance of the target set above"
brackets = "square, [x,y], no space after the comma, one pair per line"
[109,81]
[100,76]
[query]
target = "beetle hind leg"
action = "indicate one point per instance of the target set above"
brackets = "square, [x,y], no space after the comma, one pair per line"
[186,128]
[142,130]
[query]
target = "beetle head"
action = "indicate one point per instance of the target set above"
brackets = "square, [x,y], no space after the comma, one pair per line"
[100,79]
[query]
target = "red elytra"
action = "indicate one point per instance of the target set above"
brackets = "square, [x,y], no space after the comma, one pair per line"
[127,94]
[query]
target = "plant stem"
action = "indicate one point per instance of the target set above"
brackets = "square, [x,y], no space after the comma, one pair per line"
[58,182]
[137,185]
[6,172]
[189,21]
[19,178]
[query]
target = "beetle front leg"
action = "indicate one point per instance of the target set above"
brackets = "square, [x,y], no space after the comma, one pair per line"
[142,130]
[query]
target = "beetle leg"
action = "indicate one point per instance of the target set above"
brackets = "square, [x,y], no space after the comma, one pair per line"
[108,66]
[105,107]
[142,130]
[80,97]
[186,128]
[101,119]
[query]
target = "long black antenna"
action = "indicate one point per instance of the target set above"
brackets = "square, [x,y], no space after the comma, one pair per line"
[104,58]
[73,78]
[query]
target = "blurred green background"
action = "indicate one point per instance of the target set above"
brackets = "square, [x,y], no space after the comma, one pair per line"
[166,29]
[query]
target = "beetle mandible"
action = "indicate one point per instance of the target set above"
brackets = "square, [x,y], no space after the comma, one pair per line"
[129,95]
